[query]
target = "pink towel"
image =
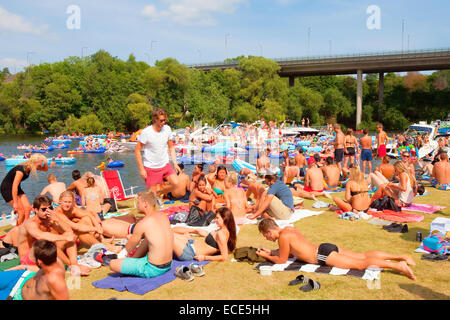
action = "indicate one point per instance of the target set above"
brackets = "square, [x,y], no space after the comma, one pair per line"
[425,208]
[396,216]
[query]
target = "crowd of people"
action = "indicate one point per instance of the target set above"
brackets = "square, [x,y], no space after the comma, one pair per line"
[67,217]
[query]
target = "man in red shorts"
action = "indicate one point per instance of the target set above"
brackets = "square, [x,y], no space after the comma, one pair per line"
[154,165]
[382,140]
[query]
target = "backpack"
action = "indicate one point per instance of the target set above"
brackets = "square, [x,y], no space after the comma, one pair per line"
[435,244]
[385,203]
[248,254]
[198,217]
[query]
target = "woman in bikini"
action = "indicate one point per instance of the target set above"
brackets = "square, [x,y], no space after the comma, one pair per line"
[202,196]
[215,246]
[356,192]
[11,189]
[351,147]
[218,186]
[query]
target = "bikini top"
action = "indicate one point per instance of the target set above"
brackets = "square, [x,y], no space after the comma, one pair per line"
[211,241]
[354,193]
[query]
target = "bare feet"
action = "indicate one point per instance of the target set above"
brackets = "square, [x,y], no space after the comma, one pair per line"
[406,270]
[79,270]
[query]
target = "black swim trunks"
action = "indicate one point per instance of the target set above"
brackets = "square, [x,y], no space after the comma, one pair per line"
[350,151]
[338,155]
[325,249]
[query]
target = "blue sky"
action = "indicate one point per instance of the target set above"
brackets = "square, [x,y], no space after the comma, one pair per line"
[195,31]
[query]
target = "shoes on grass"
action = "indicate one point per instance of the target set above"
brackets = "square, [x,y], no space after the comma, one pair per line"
[184,273]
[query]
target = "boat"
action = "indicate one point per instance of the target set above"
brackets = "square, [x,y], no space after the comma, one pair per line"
[239,164]
[58,141]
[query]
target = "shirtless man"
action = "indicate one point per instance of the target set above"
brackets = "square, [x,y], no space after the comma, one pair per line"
[48,282]
[301,162]
[339,145]
[382,140]
[262,163]
[292,243]
[181,190]
[291,172]
[85,224]
[366,151]
[235,197]
[441,172]
[46,225]
[254,188]
[313,183]
[198,171]
[78,186]
[386,168]
[331,174]
[55,188]
[153,238]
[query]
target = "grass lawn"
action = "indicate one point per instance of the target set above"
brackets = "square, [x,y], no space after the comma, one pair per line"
[238,280]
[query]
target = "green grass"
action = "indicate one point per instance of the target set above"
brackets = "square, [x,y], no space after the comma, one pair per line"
[238,280]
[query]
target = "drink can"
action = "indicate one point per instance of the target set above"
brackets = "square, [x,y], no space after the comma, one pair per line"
[419,236]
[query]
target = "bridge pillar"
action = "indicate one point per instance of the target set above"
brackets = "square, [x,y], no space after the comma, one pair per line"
[380,93]
[358,98]
[291,81]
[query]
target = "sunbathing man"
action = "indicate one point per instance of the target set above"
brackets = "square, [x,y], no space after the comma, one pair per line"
[262,163]
[366,151]
[153,238]
[440,174]
[55,188]
[339,145]
[48,282]
[46,225]
[291,172]
[276,202]
[331,174]
[292,242]
[181,191]
[301,162]
[254,188]
[78,186]
[313,183]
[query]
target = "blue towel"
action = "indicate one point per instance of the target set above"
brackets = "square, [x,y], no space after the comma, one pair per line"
[8,280]
[138,285]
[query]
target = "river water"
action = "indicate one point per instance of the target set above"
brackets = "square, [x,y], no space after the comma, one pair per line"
[85,162]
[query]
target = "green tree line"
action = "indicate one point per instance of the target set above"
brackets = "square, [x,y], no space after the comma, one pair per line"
[100,93]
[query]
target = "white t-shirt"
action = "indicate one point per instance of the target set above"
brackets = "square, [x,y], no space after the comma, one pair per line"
[156,150]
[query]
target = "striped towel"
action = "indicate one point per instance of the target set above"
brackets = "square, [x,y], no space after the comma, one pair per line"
[294,265]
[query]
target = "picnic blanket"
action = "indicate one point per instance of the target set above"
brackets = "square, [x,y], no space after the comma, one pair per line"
[425,208]
[294,265]
[139,285]
[396,216]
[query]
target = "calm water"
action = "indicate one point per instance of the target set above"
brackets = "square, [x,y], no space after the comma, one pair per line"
[85,162]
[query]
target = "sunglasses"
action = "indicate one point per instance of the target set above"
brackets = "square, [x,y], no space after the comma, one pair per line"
[405,156]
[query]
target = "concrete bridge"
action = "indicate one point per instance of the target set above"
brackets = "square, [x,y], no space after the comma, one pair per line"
[379,62]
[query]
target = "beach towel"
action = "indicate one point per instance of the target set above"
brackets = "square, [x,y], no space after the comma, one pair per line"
[9,264]
[396,216]
[425,208]
[296,216]
[294,265]
[139,285]
[8,280]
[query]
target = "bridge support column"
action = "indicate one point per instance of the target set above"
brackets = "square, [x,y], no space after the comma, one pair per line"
[291,81]
[380,93]
[358,98]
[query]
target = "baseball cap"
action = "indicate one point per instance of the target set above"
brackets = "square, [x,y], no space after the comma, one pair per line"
[311,160]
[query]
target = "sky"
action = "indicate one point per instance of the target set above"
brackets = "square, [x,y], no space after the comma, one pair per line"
[203,31]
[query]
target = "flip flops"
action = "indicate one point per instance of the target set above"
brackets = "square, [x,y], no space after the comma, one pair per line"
[312,285]
[396,227]
[298,280]
[309,286]
[434,257]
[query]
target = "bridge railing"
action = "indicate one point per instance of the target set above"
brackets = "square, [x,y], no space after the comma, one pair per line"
[439,52]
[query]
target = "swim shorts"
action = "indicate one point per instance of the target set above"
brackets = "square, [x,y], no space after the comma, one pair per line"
[156,176]
[188,251]
[382,150]
[308,189]
[325,249]
[131,228]
[338,155]
[350,151]
[18,294]
[441,186]
[366,155]
[141,267]
[25,260]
